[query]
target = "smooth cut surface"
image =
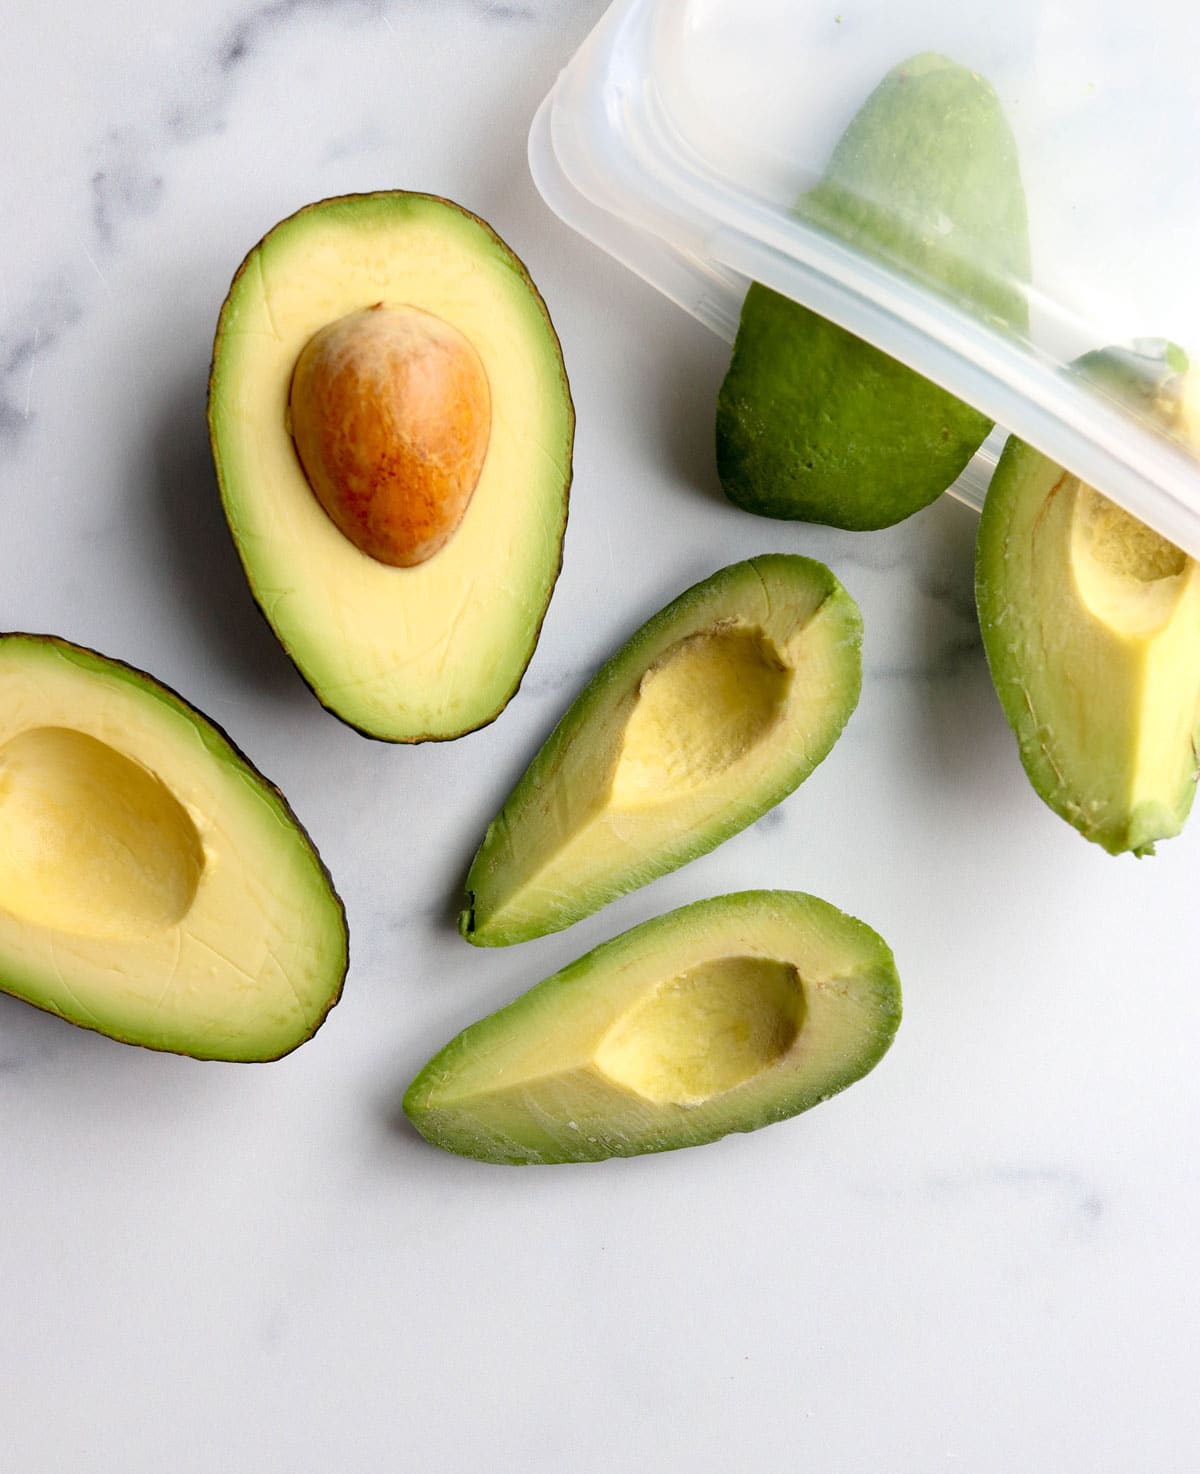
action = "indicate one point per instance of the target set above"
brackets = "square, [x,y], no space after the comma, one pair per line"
[1091,623]
[403,654]
[714,711]
[723,1016]
[391,413]
[153,885]
[699,1034]
[976,1261]
[90,842]
[710,699]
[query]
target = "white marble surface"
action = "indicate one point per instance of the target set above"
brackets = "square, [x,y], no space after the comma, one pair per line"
[982,1258]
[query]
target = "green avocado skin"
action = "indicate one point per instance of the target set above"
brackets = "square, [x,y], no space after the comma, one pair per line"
[324,916]
[510,846]
[1074,736]
[1032,653]
[1147,379]
[817,425]
[468,1100]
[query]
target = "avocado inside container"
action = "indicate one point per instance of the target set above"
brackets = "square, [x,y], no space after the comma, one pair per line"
[684,135]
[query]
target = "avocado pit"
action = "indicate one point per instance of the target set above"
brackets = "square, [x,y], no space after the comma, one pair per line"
[391,416]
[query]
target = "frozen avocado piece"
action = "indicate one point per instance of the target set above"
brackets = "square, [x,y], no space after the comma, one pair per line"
[713,711]
[393,430]
[722,1016]
[1091,623]
[1151,379]
[153,885]
[814,423]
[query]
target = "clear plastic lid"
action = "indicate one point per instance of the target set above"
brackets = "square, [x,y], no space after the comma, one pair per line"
[682,135]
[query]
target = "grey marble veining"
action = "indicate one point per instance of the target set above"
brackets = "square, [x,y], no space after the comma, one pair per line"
[1079,1200]
[132,160]
[53,310]
[977,1259]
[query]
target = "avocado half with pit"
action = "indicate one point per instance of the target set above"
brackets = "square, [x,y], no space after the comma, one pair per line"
[815,423]
[392,430]
[1091,624]
[714,711]
[153,885]
[723,1016]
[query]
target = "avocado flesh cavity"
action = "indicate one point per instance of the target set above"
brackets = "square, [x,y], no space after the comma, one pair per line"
[403,654]
[814,423]
[153,885]
[723,1016]
[713,712]
[1091,624]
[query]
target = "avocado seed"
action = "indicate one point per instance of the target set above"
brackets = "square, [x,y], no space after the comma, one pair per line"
[391,413]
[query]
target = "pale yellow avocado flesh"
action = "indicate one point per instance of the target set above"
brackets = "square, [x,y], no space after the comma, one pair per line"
[700,1033]
[1091,622]
[706,716]
[401,653]
[706,704]
[152,885]
[713,712]
[722,1016]
[1144,595]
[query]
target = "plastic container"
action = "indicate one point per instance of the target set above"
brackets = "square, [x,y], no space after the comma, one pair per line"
[683,132]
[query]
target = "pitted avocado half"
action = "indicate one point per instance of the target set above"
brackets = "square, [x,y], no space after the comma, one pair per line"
[392,431]
[714,711]
[814,423]
[153,885]
[1091,623]
[723,1016]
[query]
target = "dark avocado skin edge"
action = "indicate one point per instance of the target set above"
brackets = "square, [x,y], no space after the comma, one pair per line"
[195,715]
[545,311]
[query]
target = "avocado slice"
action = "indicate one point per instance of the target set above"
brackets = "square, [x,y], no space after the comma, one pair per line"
[153,885]
[814,423]
[714,711]
[407,585]
[723,1016]
[1091,624]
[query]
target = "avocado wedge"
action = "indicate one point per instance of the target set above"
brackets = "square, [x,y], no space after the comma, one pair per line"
[1091,624]
[392,430]
[153,885]
[814,423]
[714,711]
[723,1016]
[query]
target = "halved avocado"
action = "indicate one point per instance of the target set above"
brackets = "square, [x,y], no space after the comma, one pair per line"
[722,1016]
[714,711]
[816,424]
[153,885]
[1091,624]
[403,653]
